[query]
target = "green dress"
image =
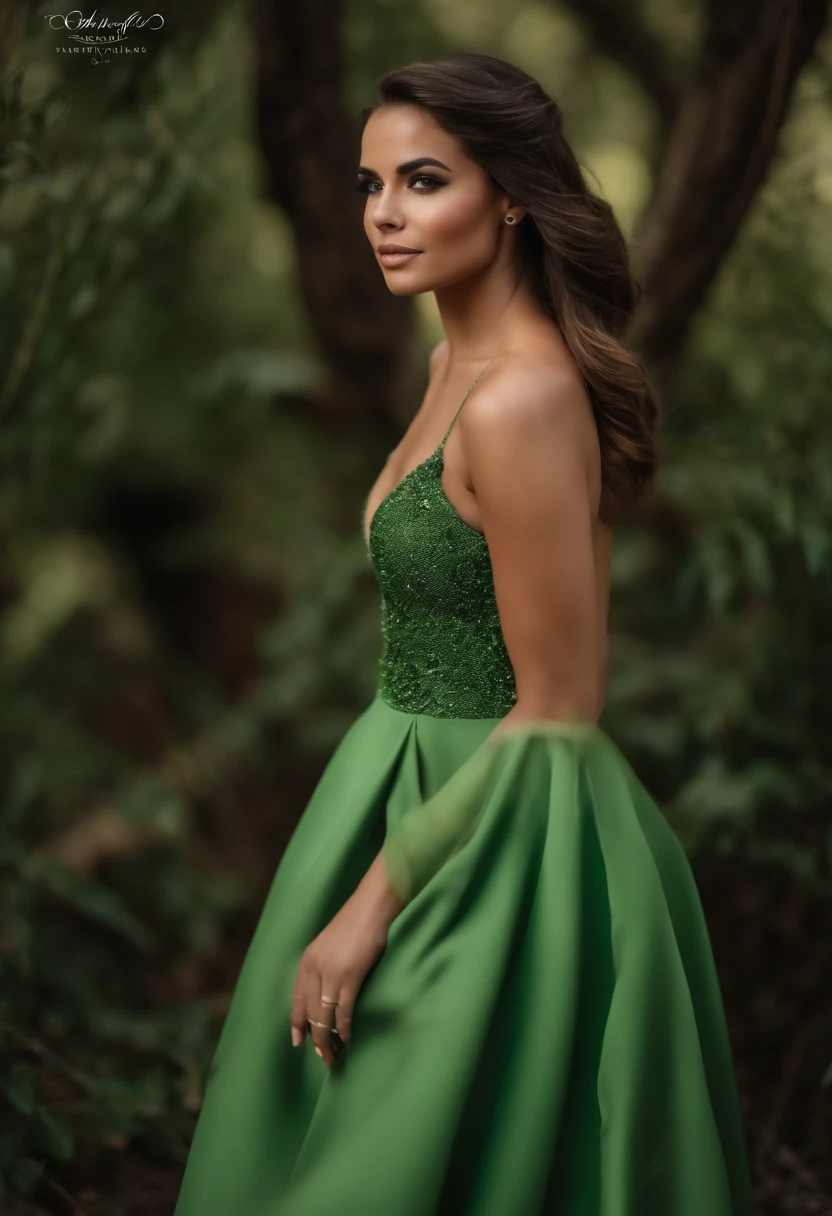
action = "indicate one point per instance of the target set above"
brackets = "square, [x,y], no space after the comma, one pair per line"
[544,1033]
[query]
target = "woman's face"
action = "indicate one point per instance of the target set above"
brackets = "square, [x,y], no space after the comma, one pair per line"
[425,194]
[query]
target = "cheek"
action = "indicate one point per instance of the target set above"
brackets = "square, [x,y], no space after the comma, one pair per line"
[459,236]
[455,220]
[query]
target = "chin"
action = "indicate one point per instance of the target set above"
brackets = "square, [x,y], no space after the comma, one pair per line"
[398,287]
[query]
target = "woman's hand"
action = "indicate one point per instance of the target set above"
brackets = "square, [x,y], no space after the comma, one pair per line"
[335,963]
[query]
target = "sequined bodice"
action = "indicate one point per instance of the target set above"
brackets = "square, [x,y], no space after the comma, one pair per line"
[443,651]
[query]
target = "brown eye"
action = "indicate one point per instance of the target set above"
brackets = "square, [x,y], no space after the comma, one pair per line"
[432,183]
[426,177]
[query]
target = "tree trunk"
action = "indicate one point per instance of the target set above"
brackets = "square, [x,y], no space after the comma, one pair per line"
[310,151]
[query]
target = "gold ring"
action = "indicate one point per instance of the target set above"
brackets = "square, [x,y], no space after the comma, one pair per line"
[323,1025]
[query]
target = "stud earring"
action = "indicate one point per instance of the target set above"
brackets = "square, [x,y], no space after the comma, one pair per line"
[510,219]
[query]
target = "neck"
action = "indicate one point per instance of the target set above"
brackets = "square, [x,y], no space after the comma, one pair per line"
[485,314]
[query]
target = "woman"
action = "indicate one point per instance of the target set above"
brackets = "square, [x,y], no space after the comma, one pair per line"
[482,923]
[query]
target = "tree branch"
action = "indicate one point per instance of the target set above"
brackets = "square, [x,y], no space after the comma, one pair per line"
[617,31]
[719,153]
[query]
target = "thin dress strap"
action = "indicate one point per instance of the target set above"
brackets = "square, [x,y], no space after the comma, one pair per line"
[464,399]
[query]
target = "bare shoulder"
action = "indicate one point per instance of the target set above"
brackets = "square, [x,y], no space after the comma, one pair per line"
[517,389]
[525,404]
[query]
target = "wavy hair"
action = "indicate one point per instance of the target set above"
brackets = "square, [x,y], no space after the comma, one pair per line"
[569,238]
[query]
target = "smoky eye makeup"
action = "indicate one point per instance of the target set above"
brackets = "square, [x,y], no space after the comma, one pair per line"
[433,183]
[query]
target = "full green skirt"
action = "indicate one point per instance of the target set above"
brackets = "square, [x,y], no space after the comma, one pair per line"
[544,1033]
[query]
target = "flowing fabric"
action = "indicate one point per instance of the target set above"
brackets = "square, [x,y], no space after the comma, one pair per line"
[544,1032]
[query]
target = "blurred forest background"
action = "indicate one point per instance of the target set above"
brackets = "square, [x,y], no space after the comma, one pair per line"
[201,371]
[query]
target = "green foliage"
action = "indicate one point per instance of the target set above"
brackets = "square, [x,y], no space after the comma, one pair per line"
[139,454]
[731,591]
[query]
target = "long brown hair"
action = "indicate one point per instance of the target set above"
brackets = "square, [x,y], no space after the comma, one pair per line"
[570,240]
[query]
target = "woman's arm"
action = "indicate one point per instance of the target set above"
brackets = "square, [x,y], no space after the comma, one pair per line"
[531,448]
[532,452]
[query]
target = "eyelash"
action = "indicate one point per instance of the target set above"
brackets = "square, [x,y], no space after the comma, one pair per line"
[364,187]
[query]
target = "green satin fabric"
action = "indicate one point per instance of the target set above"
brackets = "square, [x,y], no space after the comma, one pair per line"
[544,1033]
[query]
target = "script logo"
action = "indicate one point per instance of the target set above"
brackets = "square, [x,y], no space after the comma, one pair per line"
[100,37]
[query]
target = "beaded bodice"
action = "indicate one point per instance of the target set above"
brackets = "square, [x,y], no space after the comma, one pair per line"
[443,651]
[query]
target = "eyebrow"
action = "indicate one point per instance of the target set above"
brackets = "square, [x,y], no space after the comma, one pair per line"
[408,166]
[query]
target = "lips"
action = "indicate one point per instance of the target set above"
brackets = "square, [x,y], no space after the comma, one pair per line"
[396,255]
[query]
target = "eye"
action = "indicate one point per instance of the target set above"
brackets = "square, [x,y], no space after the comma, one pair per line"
[434,183]
[427,177]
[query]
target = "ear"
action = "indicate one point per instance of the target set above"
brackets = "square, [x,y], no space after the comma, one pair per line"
[508,204]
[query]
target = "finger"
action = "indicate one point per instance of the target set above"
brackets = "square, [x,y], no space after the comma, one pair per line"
[343,1013]
[297,1017]
[330,1014]
[321,1035]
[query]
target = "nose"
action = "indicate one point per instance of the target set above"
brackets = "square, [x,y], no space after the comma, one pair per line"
[385,223]
[386,213]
